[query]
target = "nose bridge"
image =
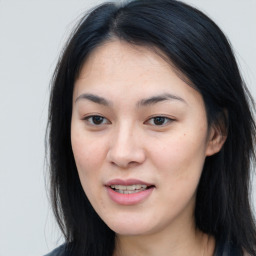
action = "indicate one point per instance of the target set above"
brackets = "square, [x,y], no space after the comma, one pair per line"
[126,147]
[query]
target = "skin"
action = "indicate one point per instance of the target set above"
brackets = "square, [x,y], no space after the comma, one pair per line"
[128,142]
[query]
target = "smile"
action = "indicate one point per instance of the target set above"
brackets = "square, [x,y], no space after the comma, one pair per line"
[129,189]
[128,192]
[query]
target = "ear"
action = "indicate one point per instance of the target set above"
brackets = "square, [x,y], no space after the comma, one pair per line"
[216,138]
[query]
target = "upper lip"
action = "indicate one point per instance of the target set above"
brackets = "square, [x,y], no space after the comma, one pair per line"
[127,182]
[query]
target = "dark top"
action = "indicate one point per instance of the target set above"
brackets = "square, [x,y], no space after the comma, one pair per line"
[222,249]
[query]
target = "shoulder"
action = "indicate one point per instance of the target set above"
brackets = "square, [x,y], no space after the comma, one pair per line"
[59,251]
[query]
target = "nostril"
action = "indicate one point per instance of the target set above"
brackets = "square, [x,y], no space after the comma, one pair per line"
[125,154]
[124,164]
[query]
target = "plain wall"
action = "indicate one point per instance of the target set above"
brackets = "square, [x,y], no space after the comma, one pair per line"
[32,33]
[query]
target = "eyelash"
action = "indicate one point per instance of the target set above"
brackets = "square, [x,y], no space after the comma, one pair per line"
[152,121]
[90,120]
[155,118]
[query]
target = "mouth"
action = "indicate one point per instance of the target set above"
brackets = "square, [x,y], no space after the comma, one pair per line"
[130,189]
[129,192]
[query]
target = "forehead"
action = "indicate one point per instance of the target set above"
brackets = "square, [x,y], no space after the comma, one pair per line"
[117,66]
[122,49]
[124,55]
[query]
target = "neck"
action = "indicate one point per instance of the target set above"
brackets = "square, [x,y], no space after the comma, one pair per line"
[177,243]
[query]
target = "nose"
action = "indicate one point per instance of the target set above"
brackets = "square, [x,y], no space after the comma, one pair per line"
[126,148]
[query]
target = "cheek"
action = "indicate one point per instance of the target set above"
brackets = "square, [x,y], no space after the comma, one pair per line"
[179,165]
[179,161]
[87,149]
[88,153]
[179,152]
[88,158]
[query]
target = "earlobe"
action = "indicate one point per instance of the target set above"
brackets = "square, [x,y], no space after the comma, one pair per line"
[216,140]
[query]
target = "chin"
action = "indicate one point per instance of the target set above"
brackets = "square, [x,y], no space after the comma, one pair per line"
[130,231]
[131,227]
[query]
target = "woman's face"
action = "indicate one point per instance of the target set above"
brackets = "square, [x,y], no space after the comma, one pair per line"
[140,137]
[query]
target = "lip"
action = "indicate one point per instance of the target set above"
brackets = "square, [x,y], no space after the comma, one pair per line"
[127,182]
[128,199]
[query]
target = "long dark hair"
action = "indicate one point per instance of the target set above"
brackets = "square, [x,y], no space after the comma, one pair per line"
[199,51]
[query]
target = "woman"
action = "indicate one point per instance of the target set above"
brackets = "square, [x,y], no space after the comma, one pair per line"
[151,136]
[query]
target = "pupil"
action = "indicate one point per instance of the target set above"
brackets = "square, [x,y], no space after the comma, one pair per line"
[97,119]
[159,120]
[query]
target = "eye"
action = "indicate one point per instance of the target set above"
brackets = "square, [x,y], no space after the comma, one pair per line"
[159,120]
[96,120]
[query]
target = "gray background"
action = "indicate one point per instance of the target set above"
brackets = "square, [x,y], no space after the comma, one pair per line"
[32,33]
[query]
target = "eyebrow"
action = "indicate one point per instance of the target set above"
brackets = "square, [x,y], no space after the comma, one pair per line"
[160,98]
[144,102]
[94,98]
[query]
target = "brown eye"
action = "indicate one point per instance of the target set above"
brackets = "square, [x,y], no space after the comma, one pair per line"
[96,120]
[159,120]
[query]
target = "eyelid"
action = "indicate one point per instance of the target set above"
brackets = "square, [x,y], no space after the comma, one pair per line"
[88,119]
[90,122]
[167,120]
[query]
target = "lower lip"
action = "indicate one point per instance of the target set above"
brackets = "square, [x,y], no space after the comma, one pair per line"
[129,199]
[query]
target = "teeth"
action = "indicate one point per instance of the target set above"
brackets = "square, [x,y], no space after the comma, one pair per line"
[129,191]
[129,188]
